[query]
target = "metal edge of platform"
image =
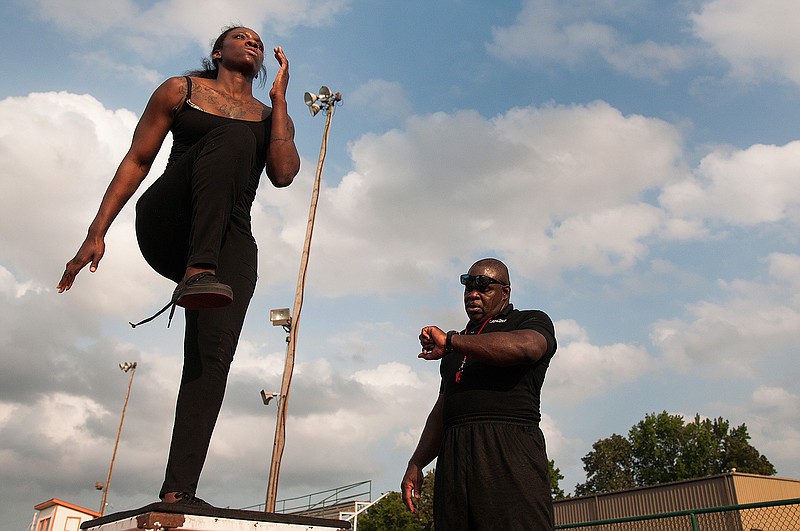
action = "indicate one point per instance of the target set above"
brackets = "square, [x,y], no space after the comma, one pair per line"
[233,514]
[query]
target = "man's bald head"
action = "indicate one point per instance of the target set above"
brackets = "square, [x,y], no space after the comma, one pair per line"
[491,267]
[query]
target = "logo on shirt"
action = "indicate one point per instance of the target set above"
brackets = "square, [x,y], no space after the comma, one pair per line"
[498,320]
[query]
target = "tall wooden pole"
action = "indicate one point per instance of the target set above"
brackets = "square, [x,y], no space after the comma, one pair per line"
[132,367]
[280,426]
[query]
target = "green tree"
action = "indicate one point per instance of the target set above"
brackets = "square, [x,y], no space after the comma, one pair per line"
[739,454]
[663,448]
[656,445]
[390,513]
[425,502]
[555,476]
[609,466]
[702,447]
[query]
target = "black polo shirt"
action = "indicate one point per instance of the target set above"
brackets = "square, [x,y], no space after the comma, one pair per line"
[493,392]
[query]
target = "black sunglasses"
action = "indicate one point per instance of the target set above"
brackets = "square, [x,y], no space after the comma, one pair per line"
[479,282]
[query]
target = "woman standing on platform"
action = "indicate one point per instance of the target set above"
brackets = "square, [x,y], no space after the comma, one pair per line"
[193,223]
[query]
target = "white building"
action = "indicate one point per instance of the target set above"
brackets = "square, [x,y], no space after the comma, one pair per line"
[57,515]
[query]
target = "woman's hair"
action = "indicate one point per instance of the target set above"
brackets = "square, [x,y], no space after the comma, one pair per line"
[210,69]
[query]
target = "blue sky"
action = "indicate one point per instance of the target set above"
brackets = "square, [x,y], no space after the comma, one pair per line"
[634,163]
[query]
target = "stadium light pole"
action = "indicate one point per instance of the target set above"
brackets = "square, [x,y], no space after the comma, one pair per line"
[325,101]
[124,367]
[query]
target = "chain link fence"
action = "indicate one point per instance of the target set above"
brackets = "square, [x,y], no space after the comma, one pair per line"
[782,515]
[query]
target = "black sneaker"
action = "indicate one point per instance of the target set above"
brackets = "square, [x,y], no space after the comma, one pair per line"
[199,291]
[184,498]
[202,290]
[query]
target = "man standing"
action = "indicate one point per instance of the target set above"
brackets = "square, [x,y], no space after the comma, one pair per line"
[492,467]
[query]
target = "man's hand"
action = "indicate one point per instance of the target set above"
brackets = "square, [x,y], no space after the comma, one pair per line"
[432,339]
[411,486]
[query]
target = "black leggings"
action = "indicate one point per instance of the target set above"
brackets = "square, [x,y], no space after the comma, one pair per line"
[194,215]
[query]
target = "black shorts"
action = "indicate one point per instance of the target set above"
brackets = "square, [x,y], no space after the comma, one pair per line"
[493,475]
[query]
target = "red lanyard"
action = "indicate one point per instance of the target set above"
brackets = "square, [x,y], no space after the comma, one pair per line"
[460,370]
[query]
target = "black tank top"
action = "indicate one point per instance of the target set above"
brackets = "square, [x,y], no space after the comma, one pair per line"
[191,124]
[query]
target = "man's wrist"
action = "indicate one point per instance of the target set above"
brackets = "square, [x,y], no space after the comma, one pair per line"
[448,342]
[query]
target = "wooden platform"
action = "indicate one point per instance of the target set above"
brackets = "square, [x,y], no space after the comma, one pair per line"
[166,516]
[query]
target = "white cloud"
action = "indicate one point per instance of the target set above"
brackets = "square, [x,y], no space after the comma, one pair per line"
[781,404]
[552,188]
[340,426]
[785,268]
[581,370]
[734,337]
[257,368]
[10,286]
[62,424]
[772,416]
[384,377]
[626,227]
[66,186]
[758,39]
[740,187]
[562,449]
[164,19]
[163,26]
[547,31]
[648,60]
[102,60]
[86,17]
[382,97]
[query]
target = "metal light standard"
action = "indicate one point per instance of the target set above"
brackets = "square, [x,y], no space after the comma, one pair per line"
[125,367]
[326,101]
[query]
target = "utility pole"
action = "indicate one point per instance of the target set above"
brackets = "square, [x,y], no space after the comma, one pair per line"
[124,367]
[326,101]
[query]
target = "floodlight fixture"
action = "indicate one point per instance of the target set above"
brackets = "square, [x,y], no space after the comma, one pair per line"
[324,100]
[266,397]
[280,317]
[314,108]
[126,366]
